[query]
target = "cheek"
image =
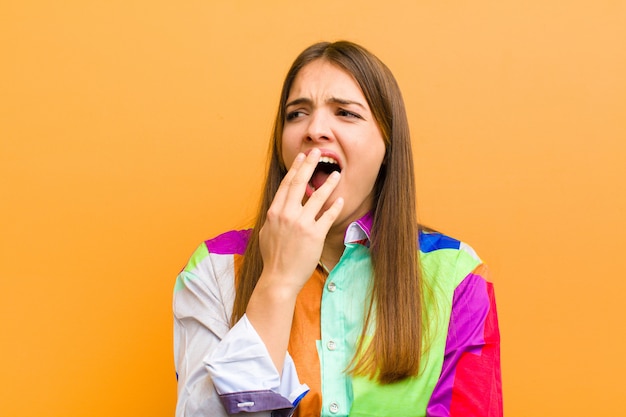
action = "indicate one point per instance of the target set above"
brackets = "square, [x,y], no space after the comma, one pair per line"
[370,163]
[377,156]
[381,152]
[288,150]
[376,166]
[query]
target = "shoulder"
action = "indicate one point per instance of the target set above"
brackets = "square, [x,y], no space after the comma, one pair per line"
[435,241]
[446,260]
[214,259]
[233,242]
[205,288]
[227,244]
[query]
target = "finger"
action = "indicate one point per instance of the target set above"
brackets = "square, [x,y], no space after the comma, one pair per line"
[327,219]
[295,166]
[283,188]
[303,175]
[320,196]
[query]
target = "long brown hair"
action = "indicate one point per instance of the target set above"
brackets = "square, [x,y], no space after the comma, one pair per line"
[397,297]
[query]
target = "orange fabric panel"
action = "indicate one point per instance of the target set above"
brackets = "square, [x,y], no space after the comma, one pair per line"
[305,331]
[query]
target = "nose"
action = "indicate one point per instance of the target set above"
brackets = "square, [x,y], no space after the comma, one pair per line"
[319,128]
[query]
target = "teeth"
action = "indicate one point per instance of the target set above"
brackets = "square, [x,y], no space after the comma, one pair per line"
[328,160]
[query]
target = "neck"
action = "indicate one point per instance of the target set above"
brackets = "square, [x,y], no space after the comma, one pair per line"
[333,248]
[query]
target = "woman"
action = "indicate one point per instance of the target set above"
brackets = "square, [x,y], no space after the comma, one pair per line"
[336,303]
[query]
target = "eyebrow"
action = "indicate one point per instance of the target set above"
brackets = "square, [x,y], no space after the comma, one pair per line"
[336,100]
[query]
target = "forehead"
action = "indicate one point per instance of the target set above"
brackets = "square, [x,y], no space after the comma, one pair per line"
[322,79]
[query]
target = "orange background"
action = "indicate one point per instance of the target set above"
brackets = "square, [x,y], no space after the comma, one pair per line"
[132,130]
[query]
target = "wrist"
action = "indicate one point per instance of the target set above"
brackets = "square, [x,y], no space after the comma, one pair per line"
[275,288]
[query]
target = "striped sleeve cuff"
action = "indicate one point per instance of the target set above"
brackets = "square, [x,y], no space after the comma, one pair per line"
[245,376]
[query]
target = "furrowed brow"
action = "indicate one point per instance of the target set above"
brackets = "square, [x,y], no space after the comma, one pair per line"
[345,102]
[297,101]
[333,100]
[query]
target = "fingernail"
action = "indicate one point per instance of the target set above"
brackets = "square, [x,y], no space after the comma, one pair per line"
[335,175]
[300,157]
[315,151]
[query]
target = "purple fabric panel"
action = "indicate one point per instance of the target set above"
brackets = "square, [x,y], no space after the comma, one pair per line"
[229,243]
[252,401]
[470,306]
[366,223]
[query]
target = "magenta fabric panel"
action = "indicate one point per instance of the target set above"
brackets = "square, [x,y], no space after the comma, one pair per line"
[470,307]
[229,243]
[366,223]
[477,387]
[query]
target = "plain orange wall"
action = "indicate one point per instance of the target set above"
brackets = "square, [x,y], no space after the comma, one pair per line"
[132,130]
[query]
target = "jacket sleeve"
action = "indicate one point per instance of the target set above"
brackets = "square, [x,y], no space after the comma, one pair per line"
[220,370]
[470,383]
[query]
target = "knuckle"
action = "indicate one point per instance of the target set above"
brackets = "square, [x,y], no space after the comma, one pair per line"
[272,214]
[287,178]
[297,180]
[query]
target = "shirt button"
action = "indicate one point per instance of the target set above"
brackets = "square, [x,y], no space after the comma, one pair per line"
[331,346]
[334,408]
[332,287]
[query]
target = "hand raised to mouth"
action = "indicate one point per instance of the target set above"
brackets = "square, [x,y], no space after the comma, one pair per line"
[291,243]
[292,237]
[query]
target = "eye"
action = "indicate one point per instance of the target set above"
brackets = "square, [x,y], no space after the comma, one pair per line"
[349,114]
[294,115]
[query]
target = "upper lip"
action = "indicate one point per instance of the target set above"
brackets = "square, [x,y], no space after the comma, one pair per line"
[328,153]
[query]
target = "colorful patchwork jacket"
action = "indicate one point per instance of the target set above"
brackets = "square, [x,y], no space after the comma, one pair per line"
[223,370]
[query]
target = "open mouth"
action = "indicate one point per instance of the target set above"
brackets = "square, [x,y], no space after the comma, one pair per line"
[324,168]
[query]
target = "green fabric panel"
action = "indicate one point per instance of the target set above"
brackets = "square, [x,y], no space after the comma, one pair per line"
[199,254]
[442,271]
[342,316]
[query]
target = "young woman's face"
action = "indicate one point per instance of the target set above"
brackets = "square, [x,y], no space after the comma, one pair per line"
[326,109]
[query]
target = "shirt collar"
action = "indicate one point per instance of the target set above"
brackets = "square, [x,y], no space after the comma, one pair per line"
[359,231]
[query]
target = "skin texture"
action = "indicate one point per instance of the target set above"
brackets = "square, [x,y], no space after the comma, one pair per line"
[327,114]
